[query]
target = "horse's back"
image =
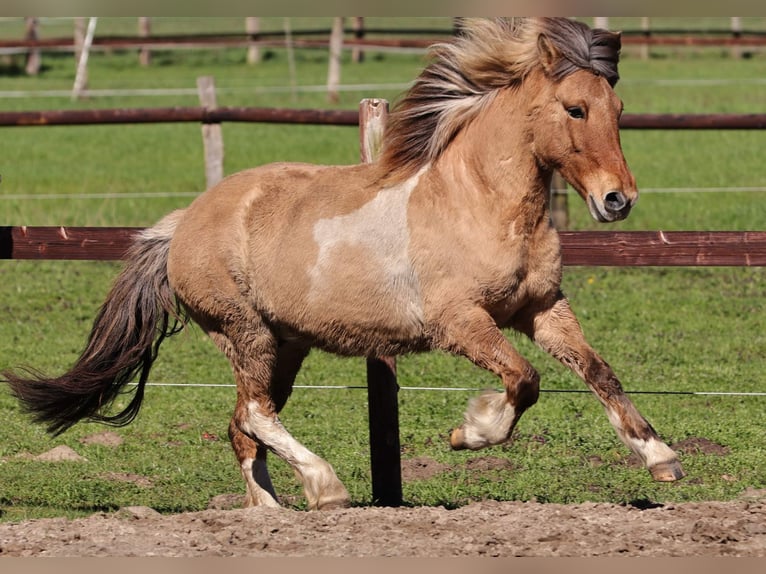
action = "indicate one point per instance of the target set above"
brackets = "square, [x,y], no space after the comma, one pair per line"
[317,249]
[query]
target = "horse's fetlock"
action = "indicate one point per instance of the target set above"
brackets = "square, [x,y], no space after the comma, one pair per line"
[526,391]
[489,420]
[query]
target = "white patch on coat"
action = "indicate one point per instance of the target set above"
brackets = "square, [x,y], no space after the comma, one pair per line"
[379,227]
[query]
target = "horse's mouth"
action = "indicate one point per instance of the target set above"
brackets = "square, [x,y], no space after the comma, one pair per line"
[612,210]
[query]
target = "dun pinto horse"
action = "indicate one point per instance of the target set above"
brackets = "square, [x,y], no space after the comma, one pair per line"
[439,244]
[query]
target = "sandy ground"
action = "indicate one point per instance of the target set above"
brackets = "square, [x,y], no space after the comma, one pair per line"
[487,528]
[482,529]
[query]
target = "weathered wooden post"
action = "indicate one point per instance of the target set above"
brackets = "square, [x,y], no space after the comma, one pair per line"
[144,31]
[601,22]
[357,54]
[382,388]
[212,134]
[81,77]
[736,33]
[33,57]
[252,27]
[336,51]
[647,31]
[290,47]
[559,202]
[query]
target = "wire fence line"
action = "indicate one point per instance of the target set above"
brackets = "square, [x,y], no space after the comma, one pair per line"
[471,389]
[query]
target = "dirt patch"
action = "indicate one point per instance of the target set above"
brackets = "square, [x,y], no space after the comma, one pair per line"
[105,438]
[60,453]
[485,463]
[699,445]
[424,467]
[481,529]
[421,468]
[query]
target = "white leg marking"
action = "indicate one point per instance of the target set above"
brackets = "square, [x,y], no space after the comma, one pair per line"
[488,420]
[260,491]
[319,480]
[651,451]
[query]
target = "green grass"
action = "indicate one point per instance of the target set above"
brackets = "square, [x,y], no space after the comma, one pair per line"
[661,329]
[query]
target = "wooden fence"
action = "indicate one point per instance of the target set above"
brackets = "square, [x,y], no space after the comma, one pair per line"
[206,115]
[356,36]
[586,248]
[578,248]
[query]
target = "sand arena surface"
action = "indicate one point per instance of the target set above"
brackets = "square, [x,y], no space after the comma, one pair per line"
[489,528]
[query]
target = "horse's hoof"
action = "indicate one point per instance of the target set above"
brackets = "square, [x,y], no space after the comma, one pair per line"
[333,504]
[667,471]
[457,439]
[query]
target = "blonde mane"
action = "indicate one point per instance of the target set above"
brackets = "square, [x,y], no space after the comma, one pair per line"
[464,75]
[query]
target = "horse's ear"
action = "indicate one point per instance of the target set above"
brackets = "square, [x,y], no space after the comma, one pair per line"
[548,53]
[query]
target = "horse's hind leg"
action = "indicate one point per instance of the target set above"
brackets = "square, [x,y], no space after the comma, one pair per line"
[252,455]
[556,330]
[261,392]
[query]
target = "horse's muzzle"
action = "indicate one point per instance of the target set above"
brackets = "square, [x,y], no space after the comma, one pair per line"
[615,206]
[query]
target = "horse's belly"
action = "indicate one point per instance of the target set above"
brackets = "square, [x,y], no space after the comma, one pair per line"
[358,305]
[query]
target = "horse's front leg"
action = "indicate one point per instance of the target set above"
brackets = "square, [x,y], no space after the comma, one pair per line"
[556,329]
[490,417]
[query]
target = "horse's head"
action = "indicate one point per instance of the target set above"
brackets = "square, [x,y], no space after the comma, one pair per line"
[575,131]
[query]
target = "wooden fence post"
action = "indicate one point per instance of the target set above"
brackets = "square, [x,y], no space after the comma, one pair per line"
[559,202]
[144,31]
[647,30]
[290,48]
[357,53]
[252,27]
[736,32]
[81,77]
[336,51]
[382,388]
[33,57]
[601,22]
[212,134]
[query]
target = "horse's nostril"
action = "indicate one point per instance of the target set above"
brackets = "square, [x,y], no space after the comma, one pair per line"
[615,201]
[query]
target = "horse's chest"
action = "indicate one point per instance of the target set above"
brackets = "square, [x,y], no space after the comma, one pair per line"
[528,275]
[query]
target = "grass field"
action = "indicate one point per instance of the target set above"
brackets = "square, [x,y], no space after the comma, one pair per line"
[688,329]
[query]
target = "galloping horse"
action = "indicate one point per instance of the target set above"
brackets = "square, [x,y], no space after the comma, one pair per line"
[440,244]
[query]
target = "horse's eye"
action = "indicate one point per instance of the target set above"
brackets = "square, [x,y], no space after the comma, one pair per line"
[576,112]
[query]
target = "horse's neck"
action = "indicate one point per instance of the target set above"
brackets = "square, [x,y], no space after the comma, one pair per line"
[490,165]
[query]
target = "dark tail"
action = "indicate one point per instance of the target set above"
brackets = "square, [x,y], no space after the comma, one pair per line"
[139,312]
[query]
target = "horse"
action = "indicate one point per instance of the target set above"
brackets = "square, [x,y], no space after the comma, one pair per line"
[440,244]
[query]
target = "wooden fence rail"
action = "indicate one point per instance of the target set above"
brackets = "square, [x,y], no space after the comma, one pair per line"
[329,117]
[319,38]
[579,248]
